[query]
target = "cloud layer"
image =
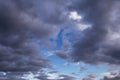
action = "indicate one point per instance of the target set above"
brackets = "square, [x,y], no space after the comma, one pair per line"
[26,26]
[22,34]
[100,43]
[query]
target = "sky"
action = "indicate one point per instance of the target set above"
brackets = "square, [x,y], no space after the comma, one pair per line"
[59,40]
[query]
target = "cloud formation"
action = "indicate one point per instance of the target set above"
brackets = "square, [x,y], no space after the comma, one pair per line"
[27,25]
[100,43]
[43,75]
[90,77]
[23,32]
[112,76]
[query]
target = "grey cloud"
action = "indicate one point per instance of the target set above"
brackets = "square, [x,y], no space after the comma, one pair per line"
[23,32]
[9,76]
[75,74]
[100,43]
[61,54]
[33,75]
[115,76]
[50,11]
[53,72]
[23,76]
[26,25]
[90,77]
[60,76]
[83,68]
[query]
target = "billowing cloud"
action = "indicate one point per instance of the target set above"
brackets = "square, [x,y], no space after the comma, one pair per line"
[100,42]
[90,34]
[25,26]
[112,76]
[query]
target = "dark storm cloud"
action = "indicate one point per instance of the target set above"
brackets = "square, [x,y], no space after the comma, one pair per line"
[17,51]
[115,76]
[25,26]
[50,11]
[100,43]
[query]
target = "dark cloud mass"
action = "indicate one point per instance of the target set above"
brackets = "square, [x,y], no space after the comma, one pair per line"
[26,26]
[100,43]
[21,32]
[115,76]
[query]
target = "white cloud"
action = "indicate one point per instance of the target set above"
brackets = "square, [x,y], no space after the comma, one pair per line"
[49,53]
[53,76]
[66,64]
[30,76]
[83,27]
[110,75]
[75,16]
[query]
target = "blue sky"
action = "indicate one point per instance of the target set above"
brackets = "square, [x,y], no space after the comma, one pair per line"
[59,39]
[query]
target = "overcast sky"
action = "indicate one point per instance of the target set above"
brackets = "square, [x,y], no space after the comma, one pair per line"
[59,39]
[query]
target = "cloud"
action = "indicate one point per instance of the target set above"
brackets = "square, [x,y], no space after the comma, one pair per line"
[90,77]
[83,68]
[61,54]
[74,16]
[40,75]
[25,26]
[99,43]
[112,76]
[67,77]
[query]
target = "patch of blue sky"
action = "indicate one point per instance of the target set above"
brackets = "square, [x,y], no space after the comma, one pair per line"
[59,65]
[63,67]
[59,39]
